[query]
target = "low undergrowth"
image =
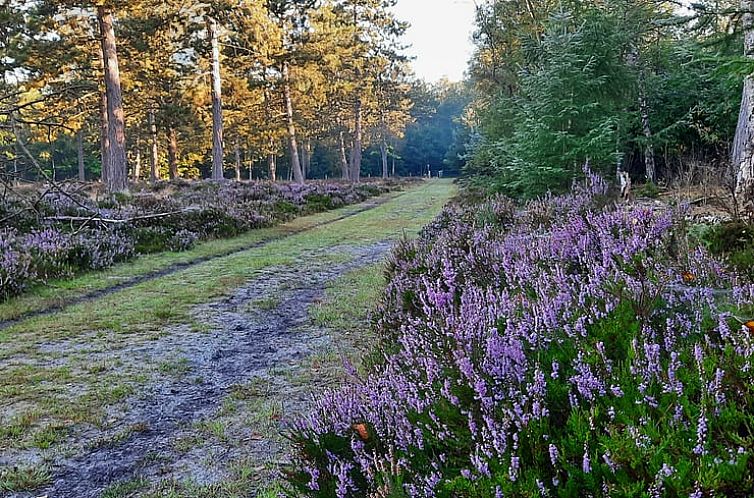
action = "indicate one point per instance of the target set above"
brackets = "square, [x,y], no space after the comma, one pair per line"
[52,234]
[574,348]
[733,242]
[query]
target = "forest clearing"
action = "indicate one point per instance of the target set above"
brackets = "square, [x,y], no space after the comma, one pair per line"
[376,249]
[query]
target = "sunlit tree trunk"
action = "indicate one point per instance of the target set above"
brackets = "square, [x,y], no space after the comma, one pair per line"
[104,134]
[345,167]
[173,153]
[292,140]
[154,172]
[237,154]
[217,106]
[306,157]
[80,155]
[272,162]
[137,159]
[117,180]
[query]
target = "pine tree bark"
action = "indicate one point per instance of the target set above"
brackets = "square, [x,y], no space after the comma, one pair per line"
[80,155]
[344,165]
[173,153]
[117,180]
[217,106]
[104,134]
[237,153]
[154,171]
[297,174]
[357,142]
[742,155]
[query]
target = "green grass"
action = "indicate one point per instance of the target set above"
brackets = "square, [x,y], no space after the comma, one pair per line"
[47,400]
[17,479]
[349,299]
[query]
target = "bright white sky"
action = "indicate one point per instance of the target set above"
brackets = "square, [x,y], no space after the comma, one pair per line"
[440,36]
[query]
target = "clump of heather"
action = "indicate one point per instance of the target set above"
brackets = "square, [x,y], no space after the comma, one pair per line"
[70,231]
[572,348]
[15,274]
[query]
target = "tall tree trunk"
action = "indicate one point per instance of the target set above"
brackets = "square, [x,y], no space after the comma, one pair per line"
[357,142]
[345,167]
[272,162]
[742,155]
[117,180]
[272,166]
[80,155]
[302,158]
[393,167]
[308,147]
[137,159]
[237,152]
[306,157]
[649,151]
[298,176]
[383,155]
[154,172]
[104,133]
[173,153]
[217,106]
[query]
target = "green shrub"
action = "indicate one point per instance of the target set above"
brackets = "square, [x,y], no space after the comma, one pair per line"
[648,190]
[316,203]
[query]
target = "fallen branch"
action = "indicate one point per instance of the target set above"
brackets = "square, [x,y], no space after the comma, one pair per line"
[87,219]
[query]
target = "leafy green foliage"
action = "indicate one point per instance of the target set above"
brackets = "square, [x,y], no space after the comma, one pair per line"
[563,83]
[569,109]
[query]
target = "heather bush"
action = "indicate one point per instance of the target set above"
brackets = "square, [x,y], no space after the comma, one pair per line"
[49,250]
[15,273]
[100,249]
[40,244]
[572,348]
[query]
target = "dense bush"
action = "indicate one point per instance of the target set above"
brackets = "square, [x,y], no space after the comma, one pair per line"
[44,243]
[571,349]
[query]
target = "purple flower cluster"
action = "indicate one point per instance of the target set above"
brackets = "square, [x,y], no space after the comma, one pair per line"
[15,266]
[528,350]
[46,254]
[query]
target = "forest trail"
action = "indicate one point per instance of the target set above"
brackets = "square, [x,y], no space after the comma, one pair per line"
[177,385]
[87,296]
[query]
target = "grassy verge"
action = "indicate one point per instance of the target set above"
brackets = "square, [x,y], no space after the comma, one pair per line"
[60,291]
[51,380]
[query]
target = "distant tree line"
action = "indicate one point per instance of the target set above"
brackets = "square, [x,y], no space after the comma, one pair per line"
[147,90]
